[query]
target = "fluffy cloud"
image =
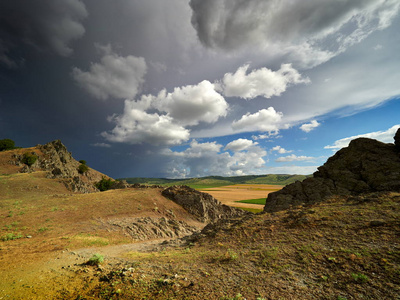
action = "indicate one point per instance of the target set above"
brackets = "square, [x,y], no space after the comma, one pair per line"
[383,136]
[192,104]
[115,76]
[262,82]
[280,150]
[163,119]
[101,145]
[240,145]
[202,159]
[293,157]
[295,26]
[136,126]
[263,120]
[41,25]
[310,126]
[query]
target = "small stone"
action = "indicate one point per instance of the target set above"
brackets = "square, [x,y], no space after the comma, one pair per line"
[28,236]
[377,223]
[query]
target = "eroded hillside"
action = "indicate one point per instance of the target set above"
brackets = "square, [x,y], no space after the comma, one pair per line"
[343,246]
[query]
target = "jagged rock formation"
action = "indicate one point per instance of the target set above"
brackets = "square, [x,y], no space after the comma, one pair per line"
[57,161]
[147,228]
[364,166]
[203,206]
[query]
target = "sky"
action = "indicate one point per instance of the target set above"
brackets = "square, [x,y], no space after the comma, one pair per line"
[183,88]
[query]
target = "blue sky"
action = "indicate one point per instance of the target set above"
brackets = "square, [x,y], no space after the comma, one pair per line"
[203,87]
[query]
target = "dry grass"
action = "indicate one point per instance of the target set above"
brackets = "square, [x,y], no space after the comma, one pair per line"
[230,194]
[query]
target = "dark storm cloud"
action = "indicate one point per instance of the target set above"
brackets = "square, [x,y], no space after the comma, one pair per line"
[42,25]
[233,24]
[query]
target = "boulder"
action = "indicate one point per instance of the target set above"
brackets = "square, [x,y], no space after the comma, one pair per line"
[364,166]
[201,205]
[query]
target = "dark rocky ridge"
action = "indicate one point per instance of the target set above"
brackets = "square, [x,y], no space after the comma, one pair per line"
[203,206]
[365,166]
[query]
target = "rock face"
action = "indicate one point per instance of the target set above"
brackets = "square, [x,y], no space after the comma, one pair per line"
[59,163]
[147,228]
[365,166]
[203,206]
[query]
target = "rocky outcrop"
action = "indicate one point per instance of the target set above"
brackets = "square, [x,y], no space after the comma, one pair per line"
[201,205]
[365,166]
[397,139]
[147,228]
[59,163]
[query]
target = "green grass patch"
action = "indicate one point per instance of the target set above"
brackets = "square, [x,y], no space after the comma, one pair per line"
[11,236]
[260,201]
[253,210]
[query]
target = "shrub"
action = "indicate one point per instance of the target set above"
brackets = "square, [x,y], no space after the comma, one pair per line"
[360,277]
[29,159]
[83,162]
[95,260]
[83,168]
[7,144]
[104,184]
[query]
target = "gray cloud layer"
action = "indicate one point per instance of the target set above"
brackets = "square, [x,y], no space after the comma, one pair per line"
[41,24]
[298,28]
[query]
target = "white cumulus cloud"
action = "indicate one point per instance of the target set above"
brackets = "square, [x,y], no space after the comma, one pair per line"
[192,104]
[264,120]
[383,136]
[202,159]
[240,145]
[261,82]
[280,150]
[310,126]
[136,126]
[164,119]
[115,76]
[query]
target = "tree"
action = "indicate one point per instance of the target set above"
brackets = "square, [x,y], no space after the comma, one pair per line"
[7,144]
[83,168]
[29,159]
[104,184]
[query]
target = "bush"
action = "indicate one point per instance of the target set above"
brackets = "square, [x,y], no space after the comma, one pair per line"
[83,168]
[83,162]
[104,184]
[95,260]
[29,159]
[7,144]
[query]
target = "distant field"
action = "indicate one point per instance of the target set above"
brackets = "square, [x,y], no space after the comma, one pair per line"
[218,181]
[237,195]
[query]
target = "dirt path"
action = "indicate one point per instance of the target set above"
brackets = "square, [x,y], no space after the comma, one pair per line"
[230,194]
[53,271]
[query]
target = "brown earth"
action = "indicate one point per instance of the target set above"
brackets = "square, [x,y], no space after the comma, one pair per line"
[228,195]
[345,247]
